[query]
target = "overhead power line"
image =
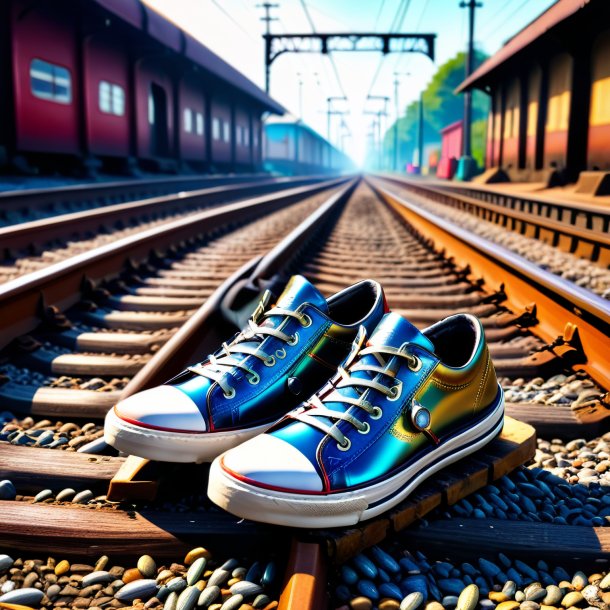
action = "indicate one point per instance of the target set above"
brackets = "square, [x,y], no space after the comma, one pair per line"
[239,25]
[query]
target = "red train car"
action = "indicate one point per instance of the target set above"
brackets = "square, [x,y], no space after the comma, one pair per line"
[105,81]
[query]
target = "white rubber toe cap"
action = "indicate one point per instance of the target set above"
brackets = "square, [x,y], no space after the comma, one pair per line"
[272,461]
[163,408]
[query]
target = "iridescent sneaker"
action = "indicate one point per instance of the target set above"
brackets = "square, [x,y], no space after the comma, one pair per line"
[404,405]
[286,352]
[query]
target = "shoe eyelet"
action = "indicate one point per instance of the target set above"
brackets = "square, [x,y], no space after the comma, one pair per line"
[395,392]
[254,379]
[230,394]
[415,367]
[305,321]
[344,446]
[280,353]
[366,428]
[269,361]
[294,339]
[377,412]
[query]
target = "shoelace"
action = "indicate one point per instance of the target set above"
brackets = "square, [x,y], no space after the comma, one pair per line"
[387,368]
[247,343]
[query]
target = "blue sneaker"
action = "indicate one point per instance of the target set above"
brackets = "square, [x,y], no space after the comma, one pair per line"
[404,405]
[285,353]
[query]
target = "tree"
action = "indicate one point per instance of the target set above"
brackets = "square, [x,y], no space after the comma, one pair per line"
[441,108]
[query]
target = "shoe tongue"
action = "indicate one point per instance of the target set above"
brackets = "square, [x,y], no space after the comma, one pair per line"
[299,290]
[394,330]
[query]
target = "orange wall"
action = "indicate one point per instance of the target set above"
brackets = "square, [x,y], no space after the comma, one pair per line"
[598,154]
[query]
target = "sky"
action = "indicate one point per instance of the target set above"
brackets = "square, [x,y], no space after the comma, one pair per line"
[233,28]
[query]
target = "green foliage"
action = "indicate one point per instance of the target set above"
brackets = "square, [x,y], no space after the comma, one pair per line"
[478,142]
[441,108]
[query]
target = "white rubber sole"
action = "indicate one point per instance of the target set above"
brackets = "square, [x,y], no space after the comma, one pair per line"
[346,508]
[172,446]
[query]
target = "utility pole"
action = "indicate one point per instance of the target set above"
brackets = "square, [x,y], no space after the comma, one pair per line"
[467,166]
[329,111]
[299,75]
[385,99]
[421,132]
[397,110]
[267,19]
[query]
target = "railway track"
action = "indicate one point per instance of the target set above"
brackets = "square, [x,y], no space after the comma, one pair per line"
[27,205]
[428,268]
[578,228]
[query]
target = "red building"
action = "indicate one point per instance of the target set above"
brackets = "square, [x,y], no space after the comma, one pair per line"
[550,95]
[451,149]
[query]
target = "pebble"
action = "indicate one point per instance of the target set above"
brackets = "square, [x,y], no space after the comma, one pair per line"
[468,598]
[43,495]
[245,588]
[6,563]
[208,595]
[573,598]
[176,584]
[7,490]
[131,575]
[261,601]
[95,578]
[194,554]
[65,495]
[147,566]
[138,589]
[24,597]
[233,603]
[219,577]
[83,497]
[62,568]
[412,601]
[361,603]
[188,598]
[196,570]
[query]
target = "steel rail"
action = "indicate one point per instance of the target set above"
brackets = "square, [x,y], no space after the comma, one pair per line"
[559,302]
[554,223]
[24,235]
[100,192]
[60,284]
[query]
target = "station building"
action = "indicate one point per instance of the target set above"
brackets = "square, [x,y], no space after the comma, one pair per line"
[550,97]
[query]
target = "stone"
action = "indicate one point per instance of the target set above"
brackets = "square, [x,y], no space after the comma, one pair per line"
[147,566]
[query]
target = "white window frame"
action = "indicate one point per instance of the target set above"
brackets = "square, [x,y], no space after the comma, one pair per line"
[187,120]
[58,78]
[111,98]
[216,128]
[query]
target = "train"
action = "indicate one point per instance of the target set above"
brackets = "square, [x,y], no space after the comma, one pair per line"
[291,147]
[112,86]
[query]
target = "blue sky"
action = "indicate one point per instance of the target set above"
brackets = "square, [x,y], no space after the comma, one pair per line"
[232,29]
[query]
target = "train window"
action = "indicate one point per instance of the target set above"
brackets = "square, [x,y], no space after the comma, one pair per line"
[188,120]
[246,136]
[151,109]
[226,131]
[216,128]
[50,82]
[111,98]
[238,135]
[199,123]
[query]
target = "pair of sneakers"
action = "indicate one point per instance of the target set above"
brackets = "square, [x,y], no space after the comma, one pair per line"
[321,412]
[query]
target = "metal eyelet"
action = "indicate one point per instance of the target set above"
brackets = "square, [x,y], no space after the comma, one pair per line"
[269,361]
[366,428]
[230,394]
[294,339]
[377,412]
[395,392]
[254,379]
[344,446]
[415,367]
[305,321]
[280,353]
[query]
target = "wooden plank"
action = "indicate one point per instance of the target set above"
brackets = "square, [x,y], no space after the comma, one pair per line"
[32,469]
[458,537]
[131,483]
[85,531]
[514,446]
